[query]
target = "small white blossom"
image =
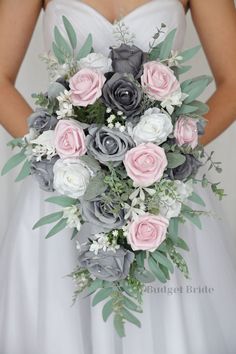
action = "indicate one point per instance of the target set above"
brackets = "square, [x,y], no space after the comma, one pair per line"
[117,125]
[72,214]
[111,118]
[65,105]
[101,241]
[108,110]
[169,207]
[122,128]
[43,145]
[174,100]
[136,208]
[174,59]
[110,125]
[184,190]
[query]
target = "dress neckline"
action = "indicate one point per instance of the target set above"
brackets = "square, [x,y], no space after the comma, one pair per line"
[123,18]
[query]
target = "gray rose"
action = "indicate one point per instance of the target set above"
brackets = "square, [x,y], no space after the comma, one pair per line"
[128,59]
[41,121]
[122,94]
[43,173]
[108,145]
[101,215]
[188,169]
[106,265]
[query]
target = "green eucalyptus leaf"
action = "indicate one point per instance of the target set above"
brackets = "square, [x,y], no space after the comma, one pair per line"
[131,304]
[195,219]
[58,54]
[186,109]
[187,84]
[175,159]
[189,53]
[25,171]
[58,227]
[96,187]
[107,310]
[195,91]
[119,325]
[140,258]
[70,32]
[92,163]
[96,284]
[86,48]
[155,52]
[195,198]
[127,289]
[62,43]
[202,108]
[167,45]
[183,69]
[155,269]
[130,317]
[160,258]
[13,162]
[143,275]
[173,227]
[17,142]
[101,295]
[179,242]
[48,219]
[62,200]
[163,247]
[74,234]
[165,271]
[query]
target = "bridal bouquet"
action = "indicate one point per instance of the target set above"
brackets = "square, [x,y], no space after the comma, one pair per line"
[116,138]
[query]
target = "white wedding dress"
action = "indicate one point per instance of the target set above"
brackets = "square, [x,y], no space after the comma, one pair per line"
[36,316]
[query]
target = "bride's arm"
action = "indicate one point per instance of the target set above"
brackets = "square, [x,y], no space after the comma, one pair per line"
[215,21]
[17,22]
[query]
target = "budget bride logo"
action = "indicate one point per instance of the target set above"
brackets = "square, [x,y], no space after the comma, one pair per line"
[191,289]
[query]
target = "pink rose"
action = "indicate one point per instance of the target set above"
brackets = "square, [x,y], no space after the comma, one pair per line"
[159,81]
[145,164]
[69,139]
[186,131]
[86,87]
[147,232]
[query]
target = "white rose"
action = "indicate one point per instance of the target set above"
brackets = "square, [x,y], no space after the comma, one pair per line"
[96,61]
[184,189]
[170,208]
[71,177]
[154,127]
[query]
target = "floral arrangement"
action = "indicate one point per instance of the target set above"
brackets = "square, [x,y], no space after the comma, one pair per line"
[117,139]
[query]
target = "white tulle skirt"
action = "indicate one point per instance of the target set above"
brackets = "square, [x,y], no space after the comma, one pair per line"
[197,316]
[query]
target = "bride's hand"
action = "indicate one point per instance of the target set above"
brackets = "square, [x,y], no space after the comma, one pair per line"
[17,23]
[215,21]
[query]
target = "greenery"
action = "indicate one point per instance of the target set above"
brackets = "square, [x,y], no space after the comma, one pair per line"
[92,114]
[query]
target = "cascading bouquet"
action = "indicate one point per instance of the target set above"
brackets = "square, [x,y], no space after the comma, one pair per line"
[117,139]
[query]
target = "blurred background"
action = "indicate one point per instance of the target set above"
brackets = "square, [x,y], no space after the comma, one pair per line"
[33,78]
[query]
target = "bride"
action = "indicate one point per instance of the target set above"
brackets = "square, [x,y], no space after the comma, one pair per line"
[197,316]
